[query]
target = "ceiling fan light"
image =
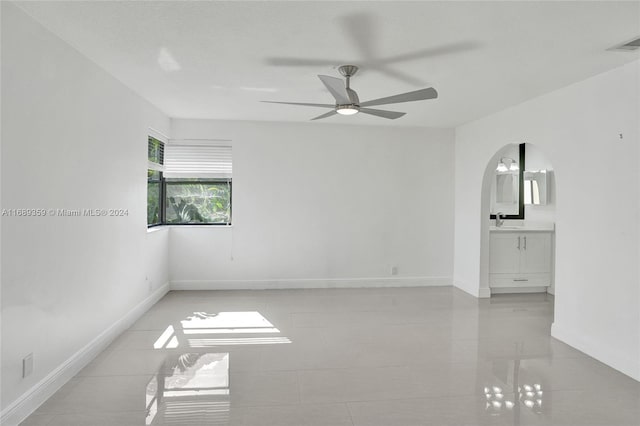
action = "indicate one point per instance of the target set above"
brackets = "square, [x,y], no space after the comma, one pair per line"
[347,109]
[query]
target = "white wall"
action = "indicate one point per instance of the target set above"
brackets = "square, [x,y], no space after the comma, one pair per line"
[597,234]
[156,254]
[73,137]
[322,202]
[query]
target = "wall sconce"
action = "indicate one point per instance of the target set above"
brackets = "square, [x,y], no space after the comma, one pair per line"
[507,164]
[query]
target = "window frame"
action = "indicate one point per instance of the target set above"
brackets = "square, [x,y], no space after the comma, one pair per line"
[157,164]
[161,195]
[159,160]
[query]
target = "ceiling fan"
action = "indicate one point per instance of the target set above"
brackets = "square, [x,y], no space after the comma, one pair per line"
[348,103]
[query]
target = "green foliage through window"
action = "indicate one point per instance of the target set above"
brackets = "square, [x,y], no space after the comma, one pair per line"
[154,196]
[193,201]
[155,151]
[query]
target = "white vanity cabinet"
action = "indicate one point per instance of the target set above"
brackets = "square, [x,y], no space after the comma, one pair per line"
[520,258]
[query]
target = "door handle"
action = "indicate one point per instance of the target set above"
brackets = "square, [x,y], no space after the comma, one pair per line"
[518,243]
[525,243]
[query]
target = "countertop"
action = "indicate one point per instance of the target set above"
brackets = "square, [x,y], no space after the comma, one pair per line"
[520,226]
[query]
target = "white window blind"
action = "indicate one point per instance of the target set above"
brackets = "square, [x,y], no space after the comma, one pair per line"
[197,160]
[155,166]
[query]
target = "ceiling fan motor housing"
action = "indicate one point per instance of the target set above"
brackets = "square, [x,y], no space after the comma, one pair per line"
[348,70]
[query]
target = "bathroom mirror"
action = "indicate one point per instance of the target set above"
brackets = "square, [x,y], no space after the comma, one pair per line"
[535,187]
[507,185]
[507,189]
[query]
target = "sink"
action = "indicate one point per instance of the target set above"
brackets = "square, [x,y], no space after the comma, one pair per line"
[520,226]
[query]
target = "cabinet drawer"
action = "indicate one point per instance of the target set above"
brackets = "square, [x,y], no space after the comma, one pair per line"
[519,280]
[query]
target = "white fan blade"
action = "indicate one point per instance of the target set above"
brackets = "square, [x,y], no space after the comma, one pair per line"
[301,103]
[431,51]
[398,75]
[301,62]
[325,115]
[391,115]
[418,95]
[337,88]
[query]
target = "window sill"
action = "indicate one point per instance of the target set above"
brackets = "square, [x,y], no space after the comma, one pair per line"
[157,228]
[196,225]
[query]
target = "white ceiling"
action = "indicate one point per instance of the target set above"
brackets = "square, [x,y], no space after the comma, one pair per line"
[211,59]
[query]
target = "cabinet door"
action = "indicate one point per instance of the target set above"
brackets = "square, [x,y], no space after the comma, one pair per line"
[504,255]
[535,253]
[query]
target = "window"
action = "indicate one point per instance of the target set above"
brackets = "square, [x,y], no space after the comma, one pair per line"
[197,183]
[191,201]
[155,197]
[188,183]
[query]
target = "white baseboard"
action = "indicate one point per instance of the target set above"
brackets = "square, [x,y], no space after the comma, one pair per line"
[516,290]
[310,283]
[598,350]
[28,402]
[474,290]
[467,288]
[484,293]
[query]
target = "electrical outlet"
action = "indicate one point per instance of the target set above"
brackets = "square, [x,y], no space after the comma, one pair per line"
[27,365]
[394,270]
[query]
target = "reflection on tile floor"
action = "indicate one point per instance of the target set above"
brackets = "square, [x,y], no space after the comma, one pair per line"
[358,357]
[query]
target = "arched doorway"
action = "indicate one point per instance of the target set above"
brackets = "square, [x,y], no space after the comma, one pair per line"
[536,191]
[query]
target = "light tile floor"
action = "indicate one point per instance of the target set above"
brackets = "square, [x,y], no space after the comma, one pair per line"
[352,357]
